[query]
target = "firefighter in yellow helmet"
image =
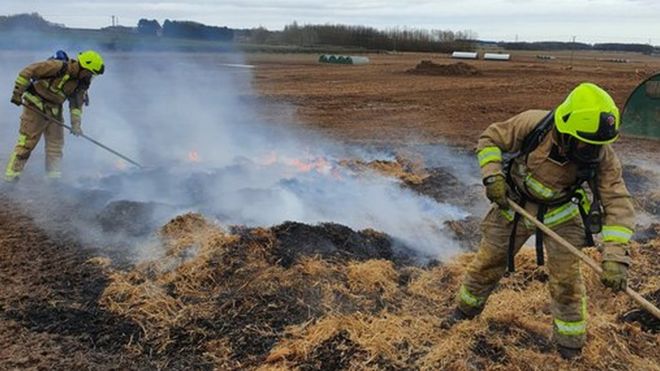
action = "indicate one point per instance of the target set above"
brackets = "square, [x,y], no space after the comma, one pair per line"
[554,156]
[45,86]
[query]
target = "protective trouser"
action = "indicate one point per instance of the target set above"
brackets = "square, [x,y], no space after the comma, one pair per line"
[32,127]
[566,287]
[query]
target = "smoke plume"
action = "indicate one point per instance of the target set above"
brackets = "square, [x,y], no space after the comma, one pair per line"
[211,144]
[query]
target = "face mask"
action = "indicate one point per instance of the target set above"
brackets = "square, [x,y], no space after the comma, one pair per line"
[581,152]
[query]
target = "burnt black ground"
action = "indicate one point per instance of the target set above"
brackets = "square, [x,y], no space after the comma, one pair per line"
[330,240]
[49,316]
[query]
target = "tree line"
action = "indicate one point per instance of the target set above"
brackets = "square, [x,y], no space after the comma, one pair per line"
[399,39]
[184,30]
[362,37]
[558,45]
[32,21]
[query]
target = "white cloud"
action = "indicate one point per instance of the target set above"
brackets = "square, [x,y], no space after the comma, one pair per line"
[589,20]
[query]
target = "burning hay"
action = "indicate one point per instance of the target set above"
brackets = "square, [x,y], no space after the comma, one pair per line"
[408,171]
[227,300]
[437,183]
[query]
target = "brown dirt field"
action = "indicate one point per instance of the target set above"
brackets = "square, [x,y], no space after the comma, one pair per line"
[380,102]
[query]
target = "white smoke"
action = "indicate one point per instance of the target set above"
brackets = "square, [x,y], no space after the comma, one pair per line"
[212,144]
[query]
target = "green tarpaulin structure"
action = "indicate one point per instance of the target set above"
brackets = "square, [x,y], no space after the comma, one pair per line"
[641,114]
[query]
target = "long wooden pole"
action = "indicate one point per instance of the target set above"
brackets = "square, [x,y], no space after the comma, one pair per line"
[590,262]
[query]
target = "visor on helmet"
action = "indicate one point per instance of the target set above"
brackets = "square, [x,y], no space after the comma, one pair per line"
[606,129]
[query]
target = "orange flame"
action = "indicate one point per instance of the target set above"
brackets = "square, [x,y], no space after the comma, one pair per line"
[120,165]
[193,156]
[319,164]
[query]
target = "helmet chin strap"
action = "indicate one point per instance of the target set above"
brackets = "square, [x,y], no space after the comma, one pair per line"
[563,141]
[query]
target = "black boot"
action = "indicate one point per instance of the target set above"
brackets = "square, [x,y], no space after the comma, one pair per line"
[569,353]
[455,317]
[8,185]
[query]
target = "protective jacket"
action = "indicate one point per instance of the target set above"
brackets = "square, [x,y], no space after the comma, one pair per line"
[51,83]
[546,175]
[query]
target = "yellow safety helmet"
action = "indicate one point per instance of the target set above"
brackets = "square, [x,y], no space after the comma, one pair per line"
[589,114]
[91,61]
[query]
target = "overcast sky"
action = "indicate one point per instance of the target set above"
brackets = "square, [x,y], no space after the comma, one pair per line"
[532,20]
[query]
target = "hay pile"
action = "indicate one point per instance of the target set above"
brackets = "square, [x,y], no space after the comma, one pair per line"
[454,69]
[226,301]
[409,171]
[435,182]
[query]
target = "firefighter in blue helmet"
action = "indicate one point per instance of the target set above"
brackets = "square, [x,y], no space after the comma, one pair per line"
[45,86]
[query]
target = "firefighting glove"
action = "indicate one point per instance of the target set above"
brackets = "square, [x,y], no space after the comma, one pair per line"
[76,127]
[496,190]
[17,96]
[615,275]
[616,260]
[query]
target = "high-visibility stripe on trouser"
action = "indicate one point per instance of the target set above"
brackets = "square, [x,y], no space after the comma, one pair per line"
[574,328]
[12,172]
[54,174]
[572,334]
[489,264]
[567,290]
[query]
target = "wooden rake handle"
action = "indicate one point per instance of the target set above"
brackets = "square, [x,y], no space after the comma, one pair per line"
[647,305]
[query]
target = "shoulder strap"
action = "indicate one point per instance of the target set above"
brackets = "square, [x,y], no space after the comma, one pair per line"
[536,136]
[63,69]
[529,143]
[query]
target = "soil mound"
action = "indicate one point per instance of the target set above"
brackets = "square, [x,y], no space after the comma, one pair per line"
[455,69]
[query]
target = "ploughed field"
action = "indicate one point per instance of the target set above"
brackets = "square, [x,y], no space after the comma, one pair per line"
[298,296]
[395,99]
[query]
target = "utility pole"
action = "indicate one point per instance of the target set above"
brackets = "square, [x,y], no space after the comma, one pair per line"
[113,20]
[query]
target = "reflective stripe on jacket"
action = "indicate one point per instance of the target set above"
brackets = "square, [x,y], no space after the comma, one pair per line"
[53,85]
[548,178]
